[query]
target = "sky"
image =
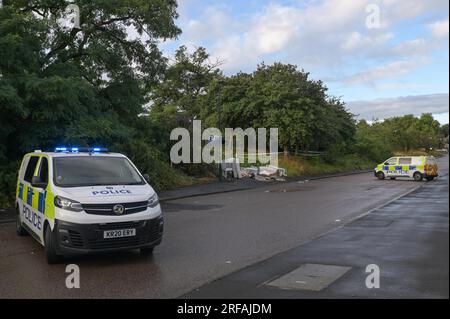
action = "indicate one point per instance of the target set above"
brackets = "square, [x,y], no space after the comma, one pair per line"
[384,58]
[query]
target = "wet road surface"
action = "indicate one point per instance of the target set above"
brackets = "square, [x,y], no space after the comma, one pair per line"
[205,238]
[406,239]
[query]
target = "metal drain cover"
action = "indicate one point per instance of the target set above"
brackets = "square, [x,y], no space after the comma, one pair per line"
[309,277]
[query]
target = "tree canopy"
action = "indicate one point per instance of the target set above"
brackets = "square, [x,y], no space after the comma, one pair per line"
[81,85]
[280,96]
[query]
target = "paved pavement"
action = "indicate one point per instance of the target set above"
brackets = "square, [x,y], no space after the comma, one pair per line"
[206,238]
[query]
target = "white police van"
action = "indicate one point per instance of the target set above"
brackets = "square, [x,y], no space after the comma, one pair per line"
[77,201]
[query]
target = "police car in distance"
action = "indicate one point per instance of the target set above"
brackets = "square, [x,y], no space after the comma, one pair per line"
[76,201]
[416,167]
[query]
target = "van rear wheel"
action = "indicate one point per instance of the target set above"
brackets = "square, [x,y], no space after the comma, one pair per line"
[50,249]
[21,231]
[418,176]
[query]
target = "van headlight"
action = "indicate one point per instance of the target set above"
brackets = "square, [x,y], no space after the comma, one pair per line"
[153,201]
[68,204]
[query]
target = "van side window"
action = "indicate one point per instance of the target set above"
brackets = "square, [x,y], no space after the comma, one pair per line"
[43,171]
[405,161]
[391,161]
[30,168]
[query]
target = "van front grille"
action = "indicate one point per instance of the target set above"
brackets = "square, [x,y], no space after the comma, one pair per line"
[107,209]
[76,239]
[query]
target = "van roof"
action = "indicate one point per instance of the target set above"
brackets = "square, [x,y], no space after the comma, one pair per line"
[75,154]
[419,156]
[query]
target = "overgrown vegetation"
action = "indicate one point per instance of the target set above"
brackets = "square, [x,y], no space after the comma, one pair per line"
[91,85]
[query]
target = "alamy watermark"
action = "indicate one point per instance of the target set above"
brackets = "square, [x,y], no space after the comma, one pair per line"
[73,279]
[373,279]
[193,150]
[70,18]
[373,19]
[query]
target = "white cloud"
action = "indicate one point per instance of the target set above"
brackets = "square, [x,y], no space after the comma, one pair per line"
[392,69]
[417,46]
[439,29]
[385,108]
[215,22]
[403,85]
[398,10]
[325,33]
[273,31]
[309,36]
[355,40]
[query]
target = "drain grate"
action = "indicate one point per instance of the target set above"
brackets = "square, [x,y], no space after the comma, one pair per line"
[313,277]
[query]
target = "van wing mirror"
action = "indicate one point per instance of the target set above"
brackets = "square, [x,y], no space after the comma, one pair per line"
[36,181]
[147,178]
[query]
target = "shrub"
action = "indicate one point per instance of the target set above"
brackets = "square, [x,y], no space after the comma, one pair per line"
[150,161]
[8,180]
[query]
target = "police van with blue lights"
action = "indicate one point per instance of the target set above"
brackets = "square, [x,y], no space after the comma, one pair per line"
[86,200]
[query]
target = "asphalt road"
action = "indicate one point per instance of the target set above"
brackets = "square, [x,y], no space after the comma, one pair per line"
[206,238]
[407,239]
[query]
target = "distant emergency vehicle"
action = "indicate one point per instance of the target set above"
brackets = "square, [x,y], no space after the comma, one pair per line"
[416,167]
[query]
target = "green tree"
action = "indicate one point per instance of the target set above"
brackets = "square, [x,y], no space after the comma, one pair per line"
[444,131]
[280,96]
[184,84]
[83,85]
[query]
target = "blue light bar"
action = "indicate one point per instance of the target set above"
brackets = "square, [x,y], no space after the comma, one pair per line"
[82,149]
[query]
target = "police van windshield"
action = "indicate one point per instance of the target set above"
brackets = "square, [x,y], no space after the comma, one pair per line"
[74,171]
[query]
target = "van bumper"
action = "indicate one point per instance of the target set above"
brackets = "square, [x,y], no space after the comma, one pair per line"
[75,239]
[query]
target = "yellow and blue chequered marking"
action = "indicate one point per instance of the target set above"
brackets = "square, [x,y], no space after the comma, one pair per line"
[20,194]
[30,193]
[41,202]
[398,167]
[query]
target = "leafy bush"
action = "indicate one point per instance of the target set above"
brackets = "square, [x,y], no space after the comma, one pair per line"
[149,160]
[8,180]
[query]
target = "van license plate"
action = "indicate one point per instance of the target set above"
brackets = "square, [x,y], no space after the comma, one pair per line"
[119,233]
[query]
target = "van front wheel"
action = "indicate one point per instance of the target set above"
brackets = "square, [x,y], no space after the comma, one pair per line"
[380,175]
[430,178]
[50,249]
[418,176]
